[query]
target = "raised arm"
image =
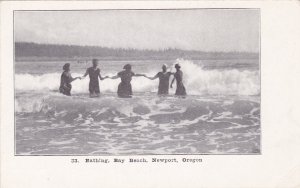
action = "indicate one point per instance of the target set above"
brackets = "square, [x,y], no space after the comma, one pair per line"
[152,78]
[71,79]
[137,75]
[114,77]
[85,74]
[102,78]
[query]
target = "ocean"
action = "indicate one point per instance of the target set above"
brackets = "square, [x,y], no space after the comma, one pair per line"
[220,115]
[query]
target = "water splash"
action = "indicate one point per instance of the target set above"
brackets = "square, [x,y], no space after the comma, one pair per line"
[197,80]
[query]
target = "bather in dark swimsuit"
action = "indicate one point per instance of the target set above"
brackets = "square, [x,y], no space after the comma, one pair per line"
[163,86]
[94,81]
[124,88]
[65,83]
[180,90]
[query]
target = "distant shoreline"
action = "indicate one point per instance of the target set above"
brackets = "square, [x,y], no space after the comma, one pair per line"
[113,59]
[53,52]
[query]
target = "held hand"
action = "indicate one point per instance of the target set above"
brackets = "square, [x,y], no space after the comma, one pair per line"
[150,78]
[106,77]
[171,86]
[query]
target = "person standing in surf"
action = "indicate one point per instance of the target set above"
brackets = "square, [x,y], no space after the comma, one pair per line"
[125,88]
[65,80]
[94,73]
[180,90]
[164,77]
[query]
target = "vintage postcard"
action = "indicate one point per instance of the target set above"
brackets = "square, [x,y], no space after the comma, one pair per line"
[135,82]
[104,84]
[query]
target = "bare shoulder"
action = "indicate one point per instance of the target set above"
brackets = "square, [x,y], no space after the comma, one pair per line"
[67,74]
[120,73]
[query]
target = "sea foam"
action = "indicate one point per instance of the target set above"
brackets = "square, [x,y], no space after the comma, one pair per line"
[197,81]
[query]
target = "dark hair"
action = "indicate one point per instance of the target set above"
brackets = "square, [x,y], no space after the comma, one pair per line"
[66,66]
[177,66]
[127,67]
[95,60]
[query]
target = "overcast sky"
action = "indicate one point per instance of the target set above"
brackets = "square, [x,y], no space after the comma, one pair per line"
[199,29]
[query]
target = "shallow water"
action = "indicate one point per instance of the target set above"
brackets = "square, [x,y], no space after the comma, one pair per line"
[53,124]
[220,115]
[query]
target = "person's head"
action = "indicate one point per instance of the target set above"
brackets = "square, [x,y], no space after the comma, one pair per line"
[177,66]
[164,67]
[127,67]
[66,67]
[95,62]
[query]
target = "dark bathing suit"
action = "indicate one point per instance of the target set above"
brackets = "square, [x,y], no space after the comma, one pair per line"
[163,86]
[124,88]
[94,81]
[180,90]
[65,83]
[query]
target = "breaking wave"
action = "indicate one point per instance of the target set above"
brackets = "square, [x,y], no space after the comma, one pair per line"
[197,80]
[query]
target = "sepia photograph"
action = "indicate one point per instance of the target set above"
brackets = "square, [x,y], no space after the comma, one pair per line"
[137,82]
